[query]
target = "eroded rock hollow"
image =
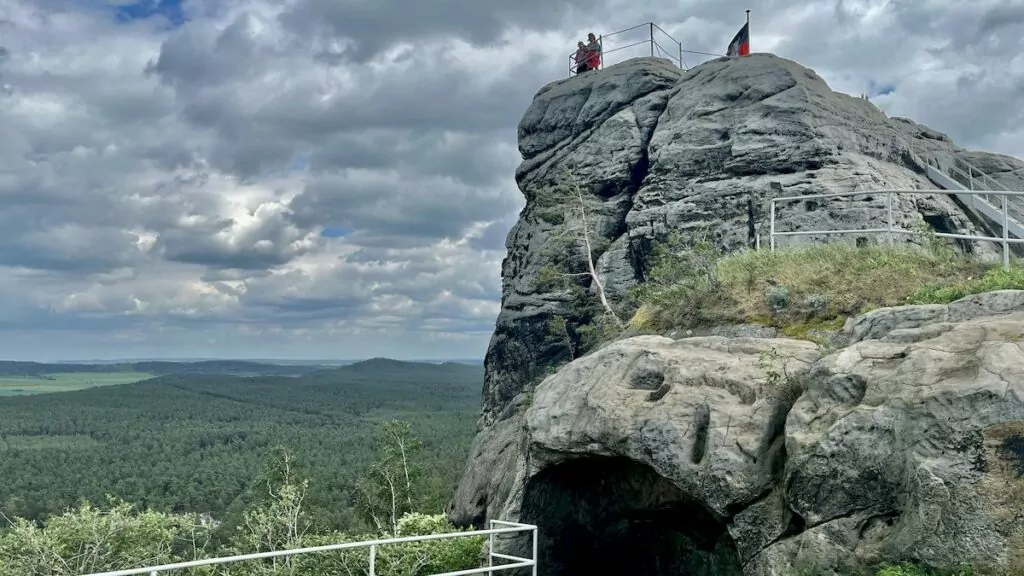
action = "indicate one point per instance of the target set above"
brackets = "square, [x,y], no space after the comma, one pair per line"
[608,515]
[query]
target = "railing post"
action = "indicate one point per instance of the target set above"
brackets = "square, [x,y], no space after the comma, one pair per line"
[771,230]
[535,551]
[490,551]
[373,560]
[888,220]
[652,39]
[1006,243]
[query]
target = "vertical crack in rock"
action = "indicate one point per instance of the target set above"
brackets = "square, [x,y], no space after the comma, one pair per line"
[701,423]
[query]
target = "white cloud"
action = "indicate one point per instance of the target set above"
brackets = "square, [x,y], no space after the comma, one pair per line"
[164,187]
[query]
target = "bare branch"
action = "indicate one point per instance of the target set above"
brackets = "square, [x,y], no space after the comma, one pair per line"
[591,269]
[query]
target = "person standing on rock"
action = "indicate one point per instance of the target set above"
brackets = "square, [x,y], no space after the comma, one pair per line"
[582,54]
[594,48]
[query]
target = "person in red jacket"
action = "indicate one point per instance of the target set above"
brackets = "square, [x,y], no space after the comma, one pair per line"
[594,48]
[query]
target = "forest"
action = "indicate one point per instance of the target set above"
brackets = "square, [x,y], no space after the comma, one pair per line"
[193,442]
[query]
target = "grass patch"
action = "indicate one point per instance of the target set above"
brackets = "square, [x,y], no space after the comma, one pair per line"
[48,383]
[802,290]
[944,293]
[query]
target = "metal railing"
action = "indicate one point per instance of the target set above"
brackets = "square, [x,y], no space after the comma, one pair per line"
[1005,240]
[646,34]
[373,545]
[974,181]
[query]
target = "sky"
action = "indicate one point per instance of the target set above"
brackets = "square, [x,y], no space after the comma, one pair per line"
[334,178]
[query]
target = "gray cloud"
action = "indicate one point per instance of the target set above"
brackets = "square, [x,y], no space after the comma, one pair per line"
[164,189]
[367,27]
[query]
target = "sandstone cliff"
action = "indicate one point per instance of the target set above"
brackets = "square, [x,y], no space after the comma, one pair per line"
[872,459]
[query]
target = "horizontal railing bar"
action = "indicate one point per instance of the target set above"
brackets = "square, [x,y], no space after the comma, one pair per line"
[516,524]
[895,191]
[524,564]
[507,557]
[626,29]
[704,53]
[616,49]
[998,239]
[813,232]
[325,548]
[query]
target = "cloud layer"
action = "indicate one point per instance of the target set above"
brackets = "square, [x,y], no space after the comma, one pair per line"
[324,178]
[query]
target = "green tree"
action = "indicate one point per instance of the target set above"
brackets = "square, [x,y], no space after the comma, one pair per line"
[390,486]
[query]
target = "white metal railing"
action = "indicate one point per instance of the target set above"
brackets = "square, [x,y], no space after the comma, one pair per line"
[656,38]
[889,229]
[372,545]
[974,180]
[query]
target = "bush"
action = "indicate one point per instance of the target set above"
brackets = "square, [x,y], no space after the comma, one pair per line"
[803,286]
[89,539]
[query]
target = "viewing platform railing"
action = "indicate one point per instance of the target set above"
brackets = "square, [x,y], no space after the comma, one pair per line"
[638,41]
[890,229]
[497,527]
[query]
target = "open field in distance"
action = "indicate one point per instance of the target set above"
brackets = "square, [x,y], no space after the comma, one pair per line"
[48,383]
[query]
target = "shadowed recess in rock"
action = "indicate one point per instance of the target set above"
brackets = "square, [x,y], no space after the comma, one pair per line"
[1012,449]
[604,515]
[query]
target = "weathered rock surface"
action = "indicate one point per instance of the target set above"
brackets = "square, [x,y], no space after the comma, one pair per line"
[658,149]
[690,449]
[760,457]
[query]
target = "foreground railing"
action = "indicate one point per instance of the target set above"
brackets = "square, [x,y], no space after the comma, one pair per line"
[648,34]
[1005,240]
[372,546]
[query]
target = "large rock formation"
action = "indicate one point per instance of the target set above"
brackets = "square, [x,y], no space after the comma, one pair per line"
[693,450]
[756,456]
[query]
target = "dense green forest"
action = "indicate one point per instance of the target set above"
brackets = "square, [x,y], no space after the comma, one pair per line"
[193,443]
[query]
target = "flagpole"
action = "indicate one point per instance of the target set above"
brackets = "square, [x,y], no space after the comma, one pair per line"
[748,30]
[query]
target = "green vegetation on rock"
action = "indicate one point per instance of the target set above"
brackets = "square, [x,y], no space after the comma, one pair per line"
[995,279]
[803,291]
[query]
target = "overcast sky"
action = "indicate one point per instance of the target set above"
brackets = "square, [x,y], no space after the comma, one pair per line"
[334,178]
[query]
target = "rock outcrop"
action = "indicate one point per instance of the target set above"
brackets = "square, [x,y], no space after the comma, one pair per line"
[757,456]
[657,149]
[706,452]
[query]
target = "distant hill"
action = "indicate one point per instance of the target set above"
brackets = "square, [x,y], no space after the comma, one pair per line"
[236,367]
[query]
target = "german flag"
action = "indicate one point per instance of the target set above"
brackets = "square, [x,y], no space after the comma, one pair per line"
[740,45]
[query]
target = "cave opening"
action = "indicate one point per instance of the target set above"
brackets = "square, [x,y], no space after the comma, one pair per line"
[609,515]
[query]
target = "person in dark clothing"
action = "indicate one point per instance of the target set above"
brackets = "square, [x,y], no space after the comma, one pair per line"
[581,57]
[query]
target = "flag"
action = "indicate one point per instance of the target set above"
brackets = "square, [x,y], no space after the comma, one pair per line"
[740,45]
